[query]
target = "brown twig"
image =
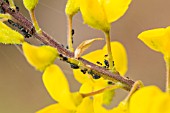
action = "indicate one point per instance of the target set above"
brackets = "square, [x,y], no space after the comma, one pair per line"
[48,40]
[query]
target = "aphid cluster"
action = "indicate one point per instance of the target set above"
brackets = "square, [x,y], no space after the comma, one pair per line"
[95,76]
[105,62]
[22,29]
[72,33]
[74,66]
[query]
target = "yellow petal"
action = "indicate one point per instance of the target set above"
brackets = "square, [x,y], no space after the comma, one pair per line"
[121,108]
[86,87]
[94,15]
[9,36]
[57,86]
[39,57]
[119,57]
[115,9]
[143,99]
[93,57]
[72,7]
[30,4]
[98,108]
[155,38]
[86,106]
[161,104]
[54,108]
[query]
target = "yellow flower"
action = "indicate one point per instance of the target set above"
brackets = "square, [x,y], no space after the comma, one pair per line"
[39,57]
[100,56]
[157,39]
[93,82]
[58,87]
[149,99]
[100,13]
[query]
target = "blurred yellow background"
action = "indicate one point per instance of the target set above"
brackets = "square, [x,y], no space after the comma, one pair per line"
[21,87]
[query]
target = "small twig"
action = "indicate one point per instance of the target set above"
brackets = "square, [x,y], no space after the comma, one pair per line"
[111,87]
[48,40]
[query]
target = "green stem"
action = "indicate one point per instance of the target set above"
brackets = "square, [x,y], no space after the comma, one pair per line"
[167,60]
[35,23]
[109,51]
[69,33]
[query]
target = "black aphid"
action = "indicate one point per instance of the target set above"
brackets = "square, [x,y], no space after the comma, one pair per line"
[113,63]
[96,76]
[72,32]
[67,47]
[6,1]
[17,8]
[12,10]
[60,55]
[84,71]
[106,63]
[65,58]
[105,55]
[2,11]
[110,82]
[99,63]
[90,72]
[74,66]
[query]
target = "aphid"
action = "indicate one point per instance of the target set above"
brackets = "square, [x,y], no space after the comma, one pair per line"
[105,55]
[74,66]
[106,63]
[72,32]
[25,33]
[99,63]
[42,44]
[62,45]
[105,66]
[12,10]
[90,72]
[6,1]
[83,71]
[67,47]
[110,82]
[96,76]
[113,63]
[60,55]
[72,41]
[2,11]
[65,58]
[17,8]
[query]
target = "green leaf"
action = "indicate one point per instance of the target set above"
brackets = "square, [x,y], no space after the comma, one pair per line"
[9,36]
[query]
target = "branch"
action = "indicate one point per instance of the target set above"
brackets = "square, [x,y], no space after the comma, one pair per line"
[48,40]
